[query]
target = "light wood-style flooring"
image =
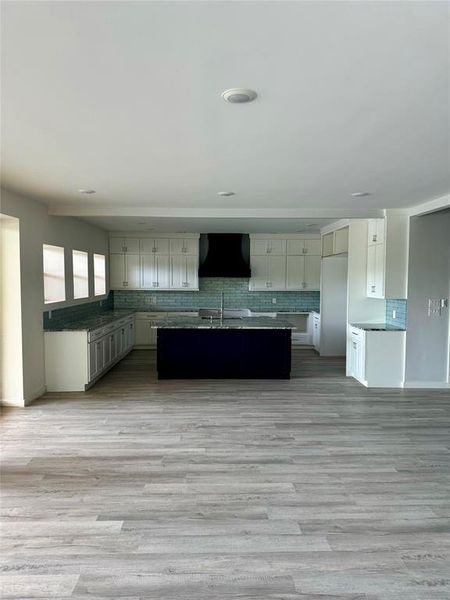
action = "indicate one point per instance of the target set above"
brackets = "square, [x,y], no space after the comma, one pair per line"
[310,489]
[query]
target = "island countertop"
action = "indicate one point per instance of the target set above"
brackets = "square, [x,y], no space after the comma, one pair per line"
[240,323]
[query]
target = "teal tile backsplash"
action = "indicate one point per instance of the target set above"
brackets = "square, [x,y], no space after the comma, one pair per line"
[236,295]
[400,306]
[79,311]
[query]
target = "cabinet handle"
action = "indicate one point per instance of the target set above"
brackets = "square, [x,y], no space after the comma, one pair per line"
[373,288]
[154,249]
[374,238]
[125,283]
[155,284]
[304,250]
[354,344]
[269,250]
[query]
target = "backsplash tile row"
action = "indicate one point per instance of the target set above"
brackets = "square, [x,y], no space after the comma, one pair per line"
[236,295]
[79,311]
[400,306]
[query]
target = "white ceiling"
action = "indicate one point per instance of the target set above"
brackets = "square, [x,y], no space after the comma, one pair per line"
[124,97]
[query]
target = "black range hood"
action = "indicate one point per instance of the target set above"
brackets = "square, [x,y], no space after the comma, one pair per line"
[224,255]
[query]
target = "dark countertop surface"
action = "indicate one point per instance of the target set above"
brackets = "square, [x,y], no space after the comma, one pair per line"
[241,323]
[89,323]
[377,327]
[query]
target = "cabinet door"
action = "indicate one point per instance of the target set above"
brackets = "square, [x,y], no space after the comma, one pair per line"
[295,247]
[258,279]
[371,265]
[142,332]
[191,278]
[117,271]
[312,247]
[92,361]
[112,347]
[155,271]
[116,245]
[276,271]
[312,272]
[341,241]
[183,246]
[273,246]
[327,244]
[99,356]
[132,271]
[379,270]
[154,246]
[131,245]
[176,272]
[295,273]
[106,351]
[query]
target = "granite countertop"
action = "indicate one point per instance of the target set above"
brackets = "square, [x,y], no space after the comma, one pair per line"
[241,323]
[377,327]
[88,323]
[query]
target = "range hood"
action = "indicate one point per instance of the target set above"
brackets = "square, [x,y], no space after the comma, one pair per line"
[224,255]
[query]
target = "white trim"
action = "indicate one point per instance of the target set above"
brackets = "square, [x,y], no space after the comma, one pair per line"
[334,226]
[426,384]
[73,210]
[430,206]
[150,235]
[284,236]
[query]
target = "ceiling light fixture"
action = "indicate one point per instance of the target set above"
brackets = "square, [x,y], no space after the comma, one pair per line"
[239,95]
[225,194]
[360,194]
[86,191]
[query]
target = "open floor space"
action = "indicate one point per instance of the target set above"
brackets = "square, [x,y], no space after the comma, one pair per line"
[311,488]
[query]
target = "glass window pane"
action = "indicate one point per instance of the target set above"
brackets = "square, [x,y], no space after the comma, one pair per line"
[80,274]
[54,280]
[99,274]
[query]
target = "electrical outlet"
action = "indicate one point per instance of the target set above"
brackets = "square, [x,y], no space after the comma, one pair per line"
[394,314]
[274,300]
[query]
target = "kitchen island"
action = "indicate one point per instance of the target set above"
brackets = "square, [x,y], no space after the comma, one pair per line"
[243,348]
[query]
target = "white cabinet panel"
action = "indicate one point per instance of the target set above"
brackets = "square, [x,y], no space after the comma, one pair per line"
[154,246]
[316,331]
[327,244]
[268,273]
[340,241]
[117,271]
[124,271]
[312,272]
[295,247]
[183,246]
[183,272]
[303,272]
[274,246]
[376,229]
[295,277]
[119,245]
[155,271]
[312,247]
[375,270]
[132,271]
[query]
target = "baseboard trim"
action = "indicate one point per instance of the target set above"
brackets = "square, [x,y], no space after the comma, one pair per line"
[423,385]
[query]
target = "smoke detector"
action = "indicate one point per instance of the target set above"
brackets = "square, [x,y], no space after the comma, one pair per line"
[238,95]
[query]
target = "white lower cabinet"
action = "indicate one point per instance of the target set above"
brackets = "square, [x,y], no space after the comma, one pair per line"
[75,359]
[376,358]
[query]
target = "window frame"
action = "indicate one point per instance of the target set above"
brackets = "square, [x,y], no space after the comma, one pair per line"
[99,277]
[55,276]
[80,278]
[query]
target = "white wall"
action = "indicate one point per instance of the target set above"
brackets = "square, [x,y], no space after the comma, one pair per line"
[37,228]
[427,338]
[11,367]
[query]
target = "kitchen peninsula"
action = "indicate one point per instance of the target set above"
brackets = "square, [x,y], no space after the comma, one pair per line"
[208,348]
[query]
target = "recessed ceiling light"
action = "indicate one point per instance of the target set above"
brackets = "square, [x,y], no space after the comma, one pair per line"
[360,194]
[86,191]
[239,95]
[225,193]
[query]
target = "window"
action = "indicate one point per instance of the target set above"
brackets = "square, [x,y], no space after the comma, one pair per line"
[54,282]
[80,274]
[99,275]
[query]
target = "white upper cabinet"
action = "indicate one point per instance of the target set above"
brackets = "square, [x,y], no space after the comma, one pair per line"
[184,246]
[272,246]
[268,273]
[303,273]
[335,242]
[183,272]
[155,271]
[118,245]
[292,263]
[124,271]
[146,263]
[387,256]
[302,247]
[154,246]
